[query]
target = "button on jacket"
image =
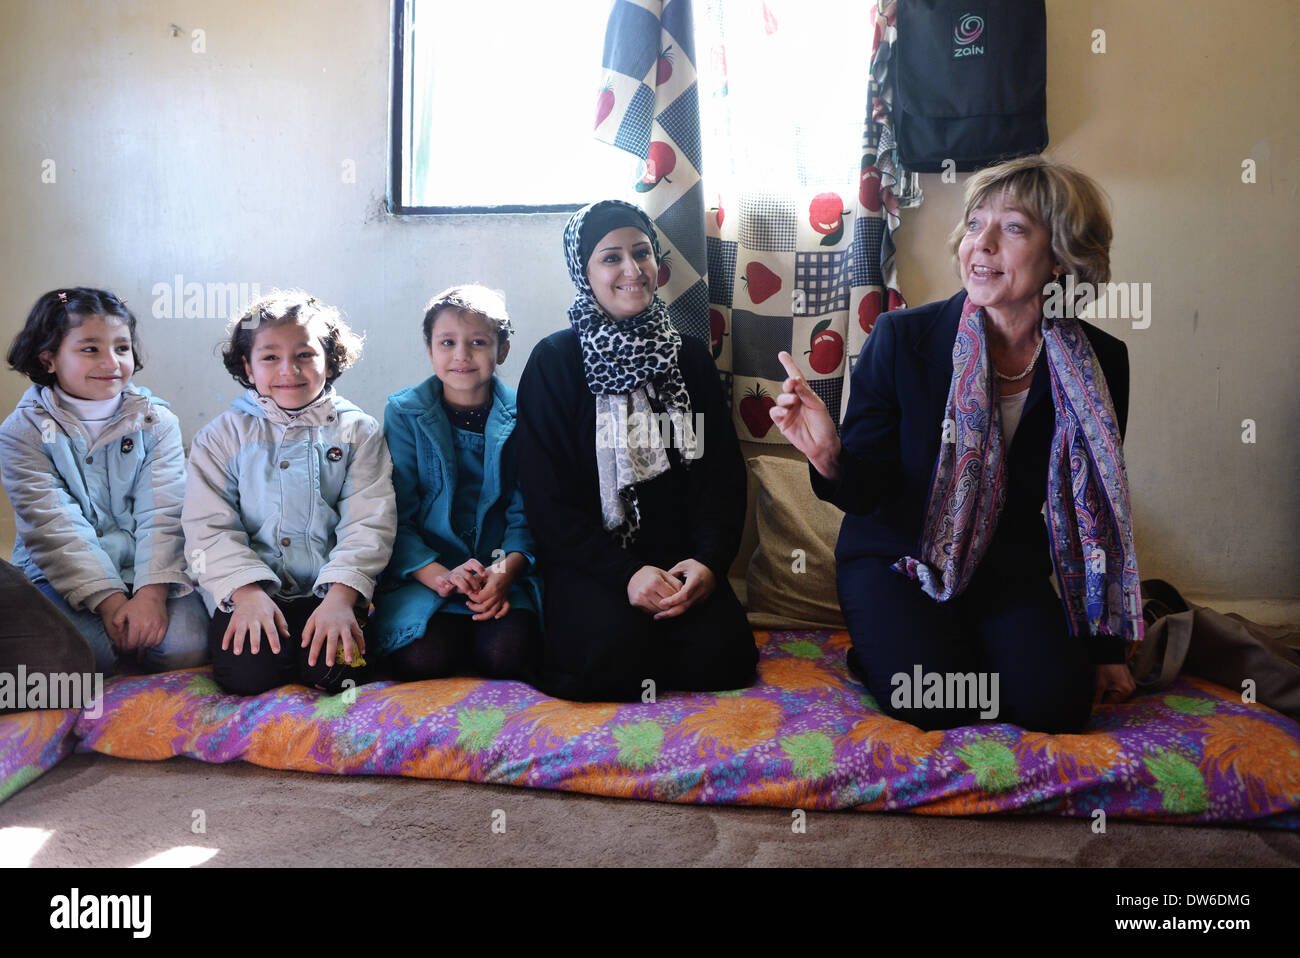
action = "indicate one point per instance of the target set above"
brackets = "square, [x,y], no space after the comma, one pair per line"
[297,500]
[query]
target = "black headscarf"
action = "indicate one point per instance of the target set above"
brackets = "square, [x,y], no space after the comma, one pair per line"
[626,363]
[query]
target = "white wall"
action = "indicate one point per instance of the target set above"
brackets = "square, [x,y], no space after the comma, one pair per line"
[225,166]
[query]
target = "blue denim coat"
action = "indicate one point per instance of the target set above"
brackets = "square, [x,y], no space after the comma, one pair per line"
[424,479]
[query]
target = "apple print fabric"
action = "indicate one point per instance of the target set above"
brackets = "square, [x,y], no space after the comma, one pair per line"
[648,105]
[794,253]
[801,259]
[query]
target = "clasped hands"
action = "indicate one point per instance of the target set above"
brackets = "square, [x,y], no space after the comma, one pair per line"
[137,623]
[666,593]
[486,588]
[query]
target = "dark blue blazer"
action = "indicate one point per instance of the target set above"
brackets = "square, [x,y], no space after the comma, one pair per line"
[893,427]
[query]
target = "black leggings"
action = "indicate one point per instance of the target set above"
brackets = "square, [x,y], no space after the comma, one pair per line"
[249,674]
[504,648]
[598,647]
[1014,627]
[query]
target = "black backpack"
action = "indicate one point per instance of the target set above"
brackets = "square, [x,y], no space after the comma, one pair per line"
[971,82]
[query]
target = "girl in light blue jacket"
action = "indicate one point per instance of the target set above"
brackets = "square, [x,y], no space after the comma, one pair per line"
[461,591]
[94,469]
[289,515]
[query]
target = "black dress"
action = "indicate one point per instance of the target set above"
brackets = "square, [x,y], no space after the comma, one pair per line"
[597,645]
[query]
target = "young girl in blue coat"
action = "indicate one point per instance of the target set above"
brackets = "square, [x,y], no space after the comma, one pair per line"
[94,468]
[459,590]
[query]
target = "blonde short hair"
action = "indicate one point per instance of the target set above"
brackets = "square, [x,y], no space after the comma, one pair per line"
[1068,203]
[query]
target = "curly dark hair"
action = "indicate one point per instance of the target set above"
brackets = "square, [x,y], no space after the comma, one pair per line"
[52,316]
[341,345]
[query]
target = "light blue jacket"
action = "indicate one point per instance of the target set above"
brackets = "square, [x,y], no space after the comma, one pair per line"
[424,477]
[297,501]
[96,518]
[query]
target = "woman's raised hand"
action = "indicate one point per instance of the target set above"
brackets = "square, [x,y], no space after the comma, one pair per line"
[804,420]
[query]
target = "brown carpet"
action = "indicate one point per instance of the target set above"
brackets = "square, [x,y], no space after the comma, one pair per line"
[103,811]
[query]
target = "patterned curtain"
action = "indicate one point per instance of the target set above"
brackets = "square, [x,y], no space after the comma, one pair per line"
[795,221]
[649,106]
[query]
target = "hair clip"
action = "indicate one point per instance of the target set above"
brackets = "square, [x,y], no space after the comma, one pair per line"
[63,297]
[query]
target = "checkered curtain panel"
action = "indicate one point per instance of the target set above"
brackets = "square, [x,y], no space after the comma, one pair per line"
[792,228]
[648,105]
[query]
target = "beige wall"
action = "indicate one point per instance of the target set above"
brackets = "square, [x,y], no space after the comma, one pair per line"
[1186,90]
[225,167]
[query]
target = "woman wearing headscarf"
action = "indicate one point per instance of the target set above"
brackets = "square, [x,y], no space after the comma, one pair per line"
[964,417]
[633,483]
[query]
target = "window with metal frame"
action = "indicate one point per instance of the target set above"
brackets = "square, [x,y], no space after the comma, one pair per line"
[493,105]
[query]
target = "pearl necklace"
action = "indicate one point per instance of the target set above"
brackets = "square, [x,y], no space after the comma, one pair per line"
[1011,379]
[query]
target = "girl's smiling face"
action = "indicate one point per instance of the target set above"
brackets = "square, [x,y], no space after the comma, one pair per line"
[94,360]
[464,352]
[287,364]
[622,272]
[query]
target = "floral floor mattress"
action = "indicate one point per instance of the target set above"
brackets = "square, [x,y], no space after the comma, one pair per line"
[806,735]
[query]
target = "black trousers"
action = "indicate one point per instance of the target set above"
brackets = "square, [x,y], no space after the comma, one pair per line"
[1012,626]
[504,648]
[598,647]
[249,674]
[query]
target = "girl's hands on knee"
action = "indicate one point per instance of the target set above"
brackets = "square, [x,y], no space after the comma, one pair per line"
[804,420]
[1114,683]
[698,583]
[255,613]
[333,621]
[649,586]
[108,611]
[142,619]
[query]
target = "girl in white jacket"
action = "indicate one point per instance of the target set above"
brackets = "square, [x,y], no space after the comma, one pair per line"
[289,513]
[95,472]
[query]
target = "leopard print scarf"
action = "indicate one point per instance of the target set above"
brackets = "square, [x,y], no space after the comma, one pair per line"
[627,363]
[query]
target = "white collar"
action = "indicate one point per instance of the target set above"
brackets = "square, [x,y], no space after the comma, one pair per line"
[90,410]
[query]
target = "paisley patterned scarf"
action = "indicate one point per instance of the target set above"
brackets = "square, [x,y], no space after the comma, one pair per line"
[627,363]
[1089,520]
